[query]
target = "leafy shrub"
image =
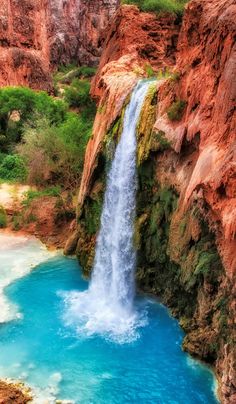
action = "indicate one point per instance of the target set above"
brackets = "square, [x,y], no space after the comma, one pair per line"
[157,6]
[78,94]
[176,110]
[86,71]
[55,154]
[50,140]
[66,74]
[17,221]
[19,105]
[3,218]
[159,141]
[33,194]
[149,70]
[13,168]
[67,68]
[2,157]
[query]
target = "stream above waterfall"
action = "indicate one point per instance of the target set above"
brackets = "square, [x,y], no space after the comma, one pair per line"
[39,348]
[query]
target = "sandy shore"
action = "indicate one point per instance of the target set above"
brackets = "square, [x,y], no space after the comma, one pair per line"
[11,195]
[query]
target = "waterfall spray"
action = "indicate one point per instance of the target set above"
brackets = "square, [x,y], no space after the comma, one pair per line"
[107,306]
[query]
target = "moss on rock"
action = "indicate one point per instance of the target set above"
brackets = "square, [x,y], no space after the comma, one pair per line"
[178,261]
[146,123]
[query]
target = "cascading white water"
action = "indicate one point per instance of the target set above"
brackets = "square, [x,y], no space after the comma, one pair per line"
[107,306]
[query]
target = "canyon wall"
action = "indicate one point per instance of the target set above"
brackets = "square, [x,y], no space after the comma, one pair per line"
[38,35]
[186,226]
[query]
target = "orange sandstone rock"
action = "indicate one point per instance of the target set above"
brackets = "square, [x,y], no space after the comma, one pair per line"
[134,41]
[37,35]
[201,163]
[206,62]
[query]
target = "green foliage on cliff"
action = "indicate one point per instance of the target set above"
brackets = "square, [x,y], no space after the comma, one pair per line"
[30,195]
[171,261]
[93,210]
[66,74]
[158,6]
[159,141]
[3,218]
[176,110]
[145,125]
[162,205]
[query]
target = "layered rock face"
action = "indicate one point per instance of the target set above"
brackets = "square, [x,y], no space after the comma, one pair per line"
[23,39]
[94,16]
[207,65]
[37,35]
[135,44]
[185,228]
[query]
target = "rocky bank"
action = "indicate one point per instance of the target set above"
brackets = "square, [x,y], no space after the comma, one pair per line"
[49,218]
[13,393]
[186,217]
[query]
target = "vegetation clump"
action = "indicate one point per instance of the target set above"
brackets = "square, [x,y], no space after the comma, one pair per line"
[66,74]
[30,195]
[13,168]
[19,105]
[159,6]
[78,95]
[159,141]
[149,70]
[146,123]
[55,154]
[176,110]
[3,218]
[41,140]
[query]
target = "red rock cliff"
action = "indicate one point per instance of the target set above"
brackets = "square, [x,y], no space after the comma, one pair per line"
[198,163]
[206,62]
[36,35]
[134,41]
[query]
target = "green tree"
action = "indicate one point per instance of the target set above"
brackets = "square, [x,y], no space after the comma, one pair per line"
[19,105]
[55,154]
[13,168]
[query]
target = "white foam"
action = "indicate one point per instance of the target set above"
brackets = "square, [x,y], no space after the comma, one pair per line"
[50,393]
[90,318]
[41,395]
[18,256]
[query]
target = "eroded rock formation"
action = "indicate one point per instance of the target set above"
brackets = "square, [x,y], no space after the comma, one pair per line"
[37,35]
[186,224]
[135,44]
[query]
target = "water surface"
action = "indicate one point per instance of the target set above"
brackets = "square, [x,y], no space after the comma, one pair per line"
[59,363]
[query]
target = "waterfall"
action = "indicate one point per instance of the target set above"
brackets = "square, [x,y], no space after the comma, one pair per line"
[107,306]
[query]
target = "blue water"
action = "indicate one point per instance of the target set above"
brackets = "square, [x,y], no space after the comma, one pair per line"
[59,363]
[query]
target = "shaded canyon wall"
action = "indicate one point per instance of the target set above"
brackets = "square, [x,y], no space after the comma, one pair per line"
[37,35]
